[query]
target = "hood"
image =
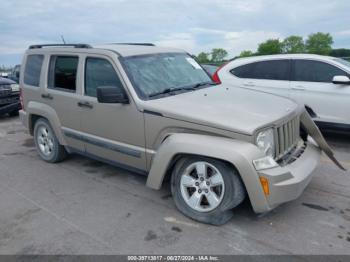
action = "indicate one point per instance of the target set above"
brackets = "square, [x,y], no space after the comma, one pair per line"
[6,81]
[225,107]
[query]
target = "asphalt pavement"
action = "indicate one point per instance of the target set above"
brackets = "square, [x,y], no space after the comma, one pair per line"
[82,206]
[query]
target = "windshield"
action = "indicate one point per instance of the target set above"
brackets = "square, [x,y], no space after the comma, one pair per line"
[211,69]
[160,74]
[342,61]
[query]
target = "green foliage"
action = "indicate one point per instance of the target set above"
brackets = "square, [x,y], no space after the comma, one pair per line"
[218,55]
[341,52]
[270,47]
[203,58]
[319,43]
[293,45]
[246,53]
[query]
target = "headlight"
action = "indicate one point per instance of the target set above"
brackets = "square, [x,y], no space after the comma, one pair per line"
[265,141]
[14,87]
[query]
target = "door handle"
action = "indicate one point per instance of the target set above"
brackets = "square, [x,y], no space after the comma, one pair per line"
[299,88]
[47,96]
[85,104]
[249,84]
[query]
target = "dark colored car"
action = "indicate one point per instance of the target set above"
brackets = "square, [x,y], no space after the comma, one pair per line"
[9,97]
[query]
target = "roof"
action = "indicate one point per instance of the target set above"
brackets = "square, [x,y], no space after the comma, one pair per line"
[131,49]
[285,56]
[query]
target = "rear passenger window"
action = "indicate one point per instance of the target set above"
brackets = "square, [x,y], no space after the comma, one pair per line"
[63,72]
[270,70]
[315,71]
[32,70]
[99,72]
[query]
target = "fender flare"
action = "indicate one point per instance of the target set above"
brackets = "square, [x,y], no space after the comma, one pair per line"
[43,110]
[238,153]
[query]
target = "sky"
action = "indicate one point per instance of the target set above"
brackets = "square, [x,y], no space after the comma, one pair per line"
[193,25]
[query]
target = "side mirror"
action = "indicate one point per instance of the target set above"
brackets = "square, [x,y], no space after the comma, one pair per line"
[111,94]
[342,80]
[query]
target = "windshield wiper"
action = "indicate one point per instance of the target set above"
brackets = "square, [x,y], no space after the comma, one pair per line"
[203,84]
[170,91]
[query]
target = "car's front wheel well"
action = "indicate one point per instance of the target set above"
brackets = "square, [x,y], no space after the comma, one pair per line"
[206,189]
[32,120]
[177,157]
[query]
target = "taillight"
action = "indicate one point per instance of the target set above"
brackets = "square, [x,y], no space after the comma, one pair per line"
[215,76]
[21,97]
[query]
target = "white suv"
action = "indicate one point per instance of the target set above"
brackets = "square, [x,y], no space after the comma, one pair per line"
[321,83]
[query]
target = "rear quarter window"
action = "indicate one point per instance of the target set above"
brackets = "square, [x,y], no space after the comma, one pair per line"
[32,70]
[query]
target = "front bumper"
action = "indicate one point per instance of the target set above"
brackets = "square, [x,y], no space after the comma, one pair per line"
[9,108]
[288,182]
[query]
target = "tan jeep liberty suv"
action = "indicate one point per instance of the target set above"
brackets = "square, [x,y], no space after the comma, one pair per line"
[155,111]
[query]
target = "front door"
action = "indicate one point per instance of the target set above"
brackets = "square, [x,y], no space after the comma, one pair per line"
[312,85]
[113,132]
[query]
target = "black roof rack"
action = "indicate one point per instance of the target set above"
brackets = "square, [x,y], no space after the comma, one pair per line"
[61,45]
[145,44]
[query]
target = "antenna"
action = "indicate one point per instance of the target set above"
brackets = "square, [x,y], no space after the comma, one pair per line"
[64,41]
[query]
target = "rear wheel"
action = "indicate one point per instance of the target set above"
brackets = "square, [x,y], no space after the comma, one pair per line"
[47,143]
[206,189]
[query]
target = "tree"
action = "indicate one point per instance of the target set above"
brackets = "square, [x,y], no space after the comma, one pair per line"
[246,53]
[341,52]
[218,55]
[319,43]
[293,45]
[270,47]
[203,58]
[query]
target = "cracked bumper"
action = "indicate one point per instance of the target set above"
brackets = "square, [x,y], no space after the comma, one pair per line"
[288,182]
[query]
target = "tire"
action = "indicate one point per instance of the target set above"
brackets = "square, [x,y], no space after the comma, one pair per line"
[14,113]
[228,192]
[46,142]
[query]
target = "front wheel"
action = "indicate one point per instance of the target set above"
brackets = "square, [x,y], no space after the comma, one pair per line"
[206,189]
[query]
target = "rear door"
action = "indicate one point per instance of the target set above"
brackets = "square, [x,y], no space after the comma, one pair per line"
[62,92]
[115,131]
[312,85]
[271,76]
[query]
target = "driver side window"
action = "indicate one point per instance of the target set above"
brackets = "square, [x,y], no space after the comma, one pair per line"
[99,72]
[315,71]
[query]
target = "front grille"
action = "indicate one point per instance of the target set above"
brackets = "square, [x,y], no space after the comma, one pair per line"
[5,92]
[287,137]
[9,100]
